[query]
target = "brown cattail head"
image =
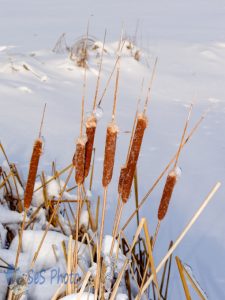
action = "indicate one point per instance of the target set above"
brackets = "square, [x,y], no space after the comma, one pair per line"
[90,132]
[37,150]
[110,149]
[133,155]
[167,192]
[121,178]
[79,160]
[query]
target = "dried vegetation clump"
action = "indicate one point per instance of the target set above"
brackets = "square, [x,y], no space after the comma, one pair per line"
[108,265]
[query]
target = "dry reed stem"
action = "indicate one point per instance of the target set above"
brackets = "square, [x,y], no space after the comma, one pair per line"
[183,135]
[183,280]
[155,234]
[103,218]
[85,281]
[92,170]
[110,150]
[33,216]
[97,213]
[168,274]
[194,285]
[110,76]
[183,233]
[133,156]
[54,177]
[45,192]
[69,265]
[5,180]
[90,132]
[162,173]
[77,228]
[167,194]
[99,74]
[57,293]
[19,203]
[37,150]
[150,85]
[20,242]
[80,160]
[117,223]
[116,214]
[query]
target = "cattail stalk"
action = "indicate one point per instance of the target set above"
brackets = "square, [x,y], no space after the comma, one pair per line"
[79,160]
[121,178]
[92,121]
[167,194]
[133,156]
[195,127]
[90,132]
[171,181]
[182,235]
[110,150]
[37,150]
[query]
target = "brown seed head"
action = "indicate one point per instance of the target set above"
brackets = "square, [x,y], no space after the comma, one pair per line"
[133,155]
[37,150]
[167,193]
[90,132]
[79,160]
[121,178]
[110,150]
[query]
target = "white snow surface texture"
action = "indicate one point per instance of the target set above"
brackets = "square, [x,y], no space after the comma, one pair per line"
[188,39]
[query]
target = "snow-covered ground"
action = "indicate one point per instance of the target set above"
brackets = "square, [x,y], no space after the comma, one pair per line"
[188,39]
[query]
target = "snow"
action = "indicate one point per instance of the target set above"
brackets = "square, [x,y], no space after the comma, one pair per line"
[188,38]
[8,216]
[84,296]
[84,218]
[106,246]
[46,258]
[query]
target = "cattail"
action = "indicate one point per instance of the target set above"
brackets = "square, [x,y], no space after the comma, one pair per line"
[37,150]
[79,160]
[167,192]
[121,178]
[90,132]
[133,155]
[110,149]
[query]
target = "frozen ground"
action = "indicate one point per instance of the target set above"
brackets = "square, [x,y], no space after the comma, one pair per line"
[188,38]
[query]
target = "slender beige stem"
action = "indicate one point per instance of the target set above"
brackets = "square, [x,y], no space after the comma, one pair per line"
[150,85]
[110,77]
[99,74]
[156,234]
[116,214]
[183,135]
[42,121]
[183,280]
[20,237]
[116,227]
[54,177]
[103,218]
[69,265]
[115,94]
[77,229]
